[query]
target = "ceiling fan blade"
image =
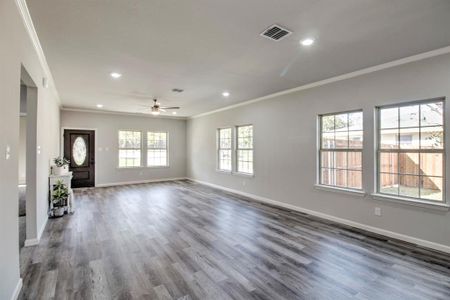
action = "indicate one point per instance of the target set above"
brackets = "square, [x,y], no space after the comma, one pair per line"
[171,107]
[162,109]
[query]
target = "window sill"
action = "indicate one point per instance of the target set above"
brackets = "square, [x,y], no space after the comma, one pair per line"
[413,202]
[243,174]
[359,193]
[224,171]
[138,168]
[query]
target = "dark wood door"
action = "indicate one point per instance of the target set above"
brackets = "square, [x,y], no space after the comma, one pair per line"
[79,148]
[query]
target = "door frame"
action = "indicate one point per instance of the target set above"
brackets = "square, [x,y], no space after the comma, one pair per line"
[61,151]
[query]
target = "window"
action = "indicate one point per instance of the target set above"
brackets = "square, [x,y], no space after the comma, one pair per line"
[340,151]
[157,149]
[244,149]
[411,150]
[224,145]
[129,149]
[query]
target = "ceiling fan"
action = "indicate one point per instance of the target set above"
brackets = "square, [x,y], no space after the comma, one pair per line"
[156,109]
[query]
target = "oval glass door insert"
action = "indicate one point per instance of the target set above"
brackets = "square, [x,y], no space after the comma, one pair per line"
[79,152]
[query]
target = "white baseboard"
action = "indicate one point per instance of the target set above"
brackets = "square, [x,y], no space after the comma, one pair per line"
[139,181]
[35,241]
[387,233]
[16,292]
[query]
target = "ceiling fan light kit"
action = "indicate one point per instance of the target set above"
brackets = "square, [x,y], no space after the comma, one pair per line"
[156,109]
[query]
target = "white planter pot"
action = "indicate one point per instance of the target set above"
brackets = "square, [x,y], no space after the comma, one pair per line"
[60,170]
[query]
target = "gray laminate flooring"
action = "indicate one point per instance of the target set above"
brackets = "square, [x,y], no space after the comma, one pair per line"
[182,240]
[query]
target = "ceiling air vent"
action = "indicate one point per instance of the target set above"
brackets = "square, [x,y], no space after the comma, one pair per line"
[275,32]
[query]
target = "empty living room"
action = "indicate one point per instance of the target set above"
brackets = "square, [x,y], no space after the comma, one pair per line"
[258,149]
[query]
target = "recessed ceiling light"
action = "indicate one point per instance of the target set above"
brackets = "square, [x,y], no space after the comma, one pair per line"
[99,105]
[174,113]
[115,75]
[226,94]
[307,42]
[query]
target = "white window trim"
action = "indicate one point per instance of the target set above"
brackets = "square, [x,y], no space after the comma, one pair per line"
[218,169]
[118,150]
[167,149]
[318,185]
[330,188]
[236,149]
[444,205]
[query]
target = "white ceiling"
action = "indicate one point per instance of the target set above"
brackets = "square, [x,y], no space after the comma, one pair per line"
[208,46]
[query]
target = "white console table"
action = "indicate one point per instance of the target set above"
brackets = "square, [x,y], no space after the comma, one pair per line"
[66,178]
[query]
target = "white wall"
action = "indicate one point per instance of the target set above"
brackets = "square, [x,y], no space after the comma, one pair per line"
[16,49]
[108,125]
[285,146]
[22,149]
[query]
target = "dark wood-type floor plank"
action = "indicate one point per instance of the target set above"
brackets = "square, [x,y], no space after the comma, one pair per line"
[183,240]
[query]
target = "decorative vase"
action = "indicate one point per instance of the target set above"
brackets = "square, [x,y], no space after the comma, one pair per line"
[60,170]
[58,212]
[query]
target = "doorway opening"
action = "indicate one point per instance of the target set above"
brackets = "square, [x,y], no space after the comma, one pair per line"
[27,164]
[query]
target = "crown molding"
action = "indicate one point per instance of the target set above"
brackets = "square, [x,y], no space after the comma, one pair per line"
[111,112]
[361,72]
[28,22]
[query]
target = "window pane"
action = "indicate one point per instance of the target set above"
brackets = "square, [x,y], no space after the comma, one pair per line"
[409,116]
[225,160]
[431,188]
[432,114]
[129,139]
[354,161]
[355,179]
[409,163]
[245,137]
[156,157]
[328,140]
[412,173]
[389,118]
[431,164]
[341,122]
[432,137]
[389,139]
[225,138]
[327,123]
[388,162]
[341,178]
[409,138]
[327,176]
[341,132]
[327,159]
[389,183]
[340,160]
[355,139]
[245,161]
[129,158]
[355,120]
[341,139]
[409,186]
[156,140]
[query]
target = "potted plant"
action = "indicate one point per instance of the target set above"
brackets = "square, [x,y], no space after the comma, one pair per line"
[60,194]
[61,166]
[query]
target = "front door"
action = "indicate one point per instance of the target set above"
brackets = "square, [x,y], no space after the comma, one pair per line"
[79,148]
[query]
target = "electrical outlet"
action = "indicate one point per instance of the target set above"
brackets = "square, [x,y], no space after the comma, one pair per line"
[377,211]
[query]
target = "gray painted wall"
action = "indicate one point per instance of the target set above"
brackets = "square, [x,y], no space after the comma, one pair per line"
[108,125]
[16,50]
[285,146]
